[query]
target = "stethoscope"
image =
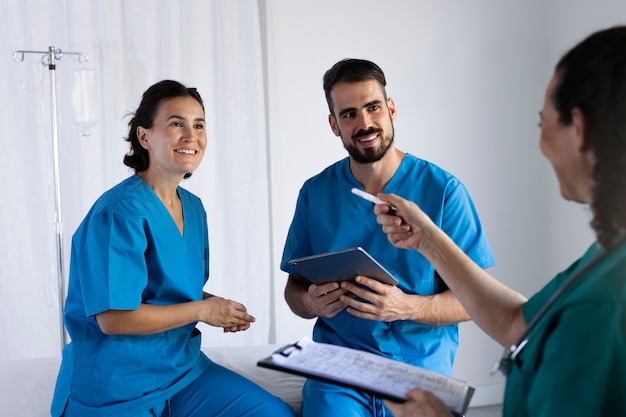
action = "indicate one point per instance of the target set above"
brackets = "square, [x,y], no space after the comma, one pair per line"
[503,364]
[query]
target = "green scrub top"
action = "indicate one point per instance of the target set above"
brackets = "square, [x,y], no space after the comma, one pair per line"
[574,363]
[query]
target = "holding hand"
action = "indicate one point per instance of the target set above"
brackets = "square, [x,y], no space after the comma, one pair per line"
[420,403]
[229,314]
[405,228]
[382,302]
[325,300]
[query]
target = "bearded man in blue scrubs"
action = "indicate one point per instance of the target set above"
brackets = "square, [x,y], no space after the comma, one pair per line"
[414,322]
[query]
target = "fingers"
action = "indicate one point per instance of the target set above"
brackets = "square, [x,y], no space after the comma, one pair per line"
[398,237]
[238,313]
[228,314]
[323,289]
[374,287]
[391,223]
[419,403]
[325,299]
[401,227]
[392,199]
[234,329]
[363,302]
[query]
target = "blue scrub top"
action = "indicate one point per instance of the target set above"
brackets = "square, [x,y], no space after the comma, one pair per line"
[329,217]
[127,251]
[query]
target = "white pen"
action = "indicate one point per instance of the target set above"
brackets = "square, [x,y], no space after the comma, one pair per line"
[371,198]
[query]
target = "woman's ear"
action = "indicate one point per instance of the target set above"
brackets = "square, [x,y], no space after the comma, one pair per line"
[142,137]
[579,122]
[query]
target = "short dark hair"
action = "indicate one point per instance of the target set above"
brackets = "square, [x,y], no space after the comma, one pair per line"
[592,77]
[138,157]
[352,70]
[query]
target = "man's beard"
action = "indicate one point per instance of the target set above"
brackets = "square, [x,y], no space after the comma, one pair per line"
[369,155]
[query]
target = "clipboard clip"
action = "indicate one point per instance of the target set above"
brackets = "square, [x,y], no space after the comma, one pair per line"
[287,350]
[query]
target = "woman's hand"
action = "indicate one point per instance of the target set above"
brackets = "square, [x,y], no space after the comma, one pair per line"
[406,226]
[420,403]
[229,314]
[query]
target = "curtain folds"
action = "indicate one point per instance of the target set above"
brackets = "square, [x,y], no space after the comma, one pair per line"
[212,45]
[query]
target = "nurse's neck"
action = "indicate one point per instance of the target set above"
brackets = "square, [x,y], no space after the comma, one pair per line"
[164,188]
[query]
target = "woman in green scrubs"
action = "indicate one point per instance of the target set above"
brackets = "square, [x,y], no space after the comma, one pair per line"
[568,359]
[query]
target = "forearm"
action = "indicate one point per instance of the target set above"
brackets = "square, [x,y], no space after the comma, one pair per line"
[297,298]
[148,318]
[438,310]
[494,307]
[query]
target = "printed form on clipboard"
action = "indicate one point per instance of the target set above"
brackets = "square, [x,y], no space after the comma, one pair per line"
[365,371]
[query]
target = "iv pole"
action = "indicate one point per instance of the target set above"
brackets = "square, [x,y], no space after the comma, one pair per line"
[49,58]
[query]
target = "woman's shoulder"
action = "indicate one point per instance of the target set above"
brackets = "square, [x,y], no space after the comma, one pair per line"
[601,279]
[129,191]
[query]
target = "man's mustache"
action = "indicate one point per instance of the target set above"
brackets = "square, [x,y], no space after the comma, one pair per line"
[362,133]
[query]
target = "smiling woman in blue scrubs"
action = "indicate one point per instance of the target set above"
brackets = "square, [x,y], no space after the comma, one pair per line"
[139,263]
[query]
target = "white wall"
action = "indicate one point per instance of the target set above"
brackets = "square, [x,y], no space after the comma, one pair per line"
[572,21]
[468,80]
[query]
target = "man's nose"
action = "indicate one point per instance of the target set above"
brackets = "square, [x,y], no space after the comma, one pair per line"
[364,120]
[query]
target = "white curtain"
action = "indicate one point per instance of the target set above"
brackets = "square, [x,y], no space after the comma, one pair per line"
[214,45]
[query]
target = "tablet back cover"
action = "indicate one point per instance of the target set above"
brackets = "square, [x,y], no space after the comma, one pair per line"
[341,265]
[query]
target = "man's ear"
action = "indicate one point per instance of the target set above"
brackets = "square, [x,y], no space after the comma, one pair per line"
[142,137]
[333,124]
[392,108]
[579,122]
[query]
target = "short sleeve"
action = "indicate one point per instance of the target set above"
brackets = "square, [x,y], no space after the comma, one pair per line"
[298,242]
[111,263]
[462,223]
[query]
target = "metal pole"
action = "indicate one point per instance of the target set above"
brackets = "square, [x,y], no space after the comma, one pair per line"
[57,192]
[53,55]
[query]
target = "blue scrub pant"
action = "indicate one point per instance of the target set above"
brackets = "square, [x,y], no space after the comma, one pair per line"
[217,392]
[329,400]
[220,392]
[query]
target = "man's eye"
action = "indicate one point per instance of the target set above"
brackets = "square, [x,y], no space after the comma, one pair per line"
[375,108]
[200,126]
[177,124]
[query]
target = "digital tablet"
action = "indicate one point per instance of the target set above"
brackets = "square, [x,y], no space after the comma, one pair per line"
[341,265]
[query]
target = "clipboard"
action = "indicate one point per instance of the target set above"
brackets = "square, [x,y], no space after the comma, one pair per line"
[341,265]
[367,372]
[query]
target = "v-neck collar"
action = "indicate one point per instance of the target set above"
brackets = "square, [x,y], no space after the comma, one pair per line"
[164,209]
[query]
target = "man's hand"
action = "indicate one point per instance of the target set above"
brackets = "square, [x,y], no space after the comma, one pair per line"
[381,302]
[325,299]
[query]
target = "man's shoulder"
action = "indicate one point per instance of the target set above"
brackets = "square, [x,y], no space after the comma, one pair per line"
[418,167]
[330,173]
